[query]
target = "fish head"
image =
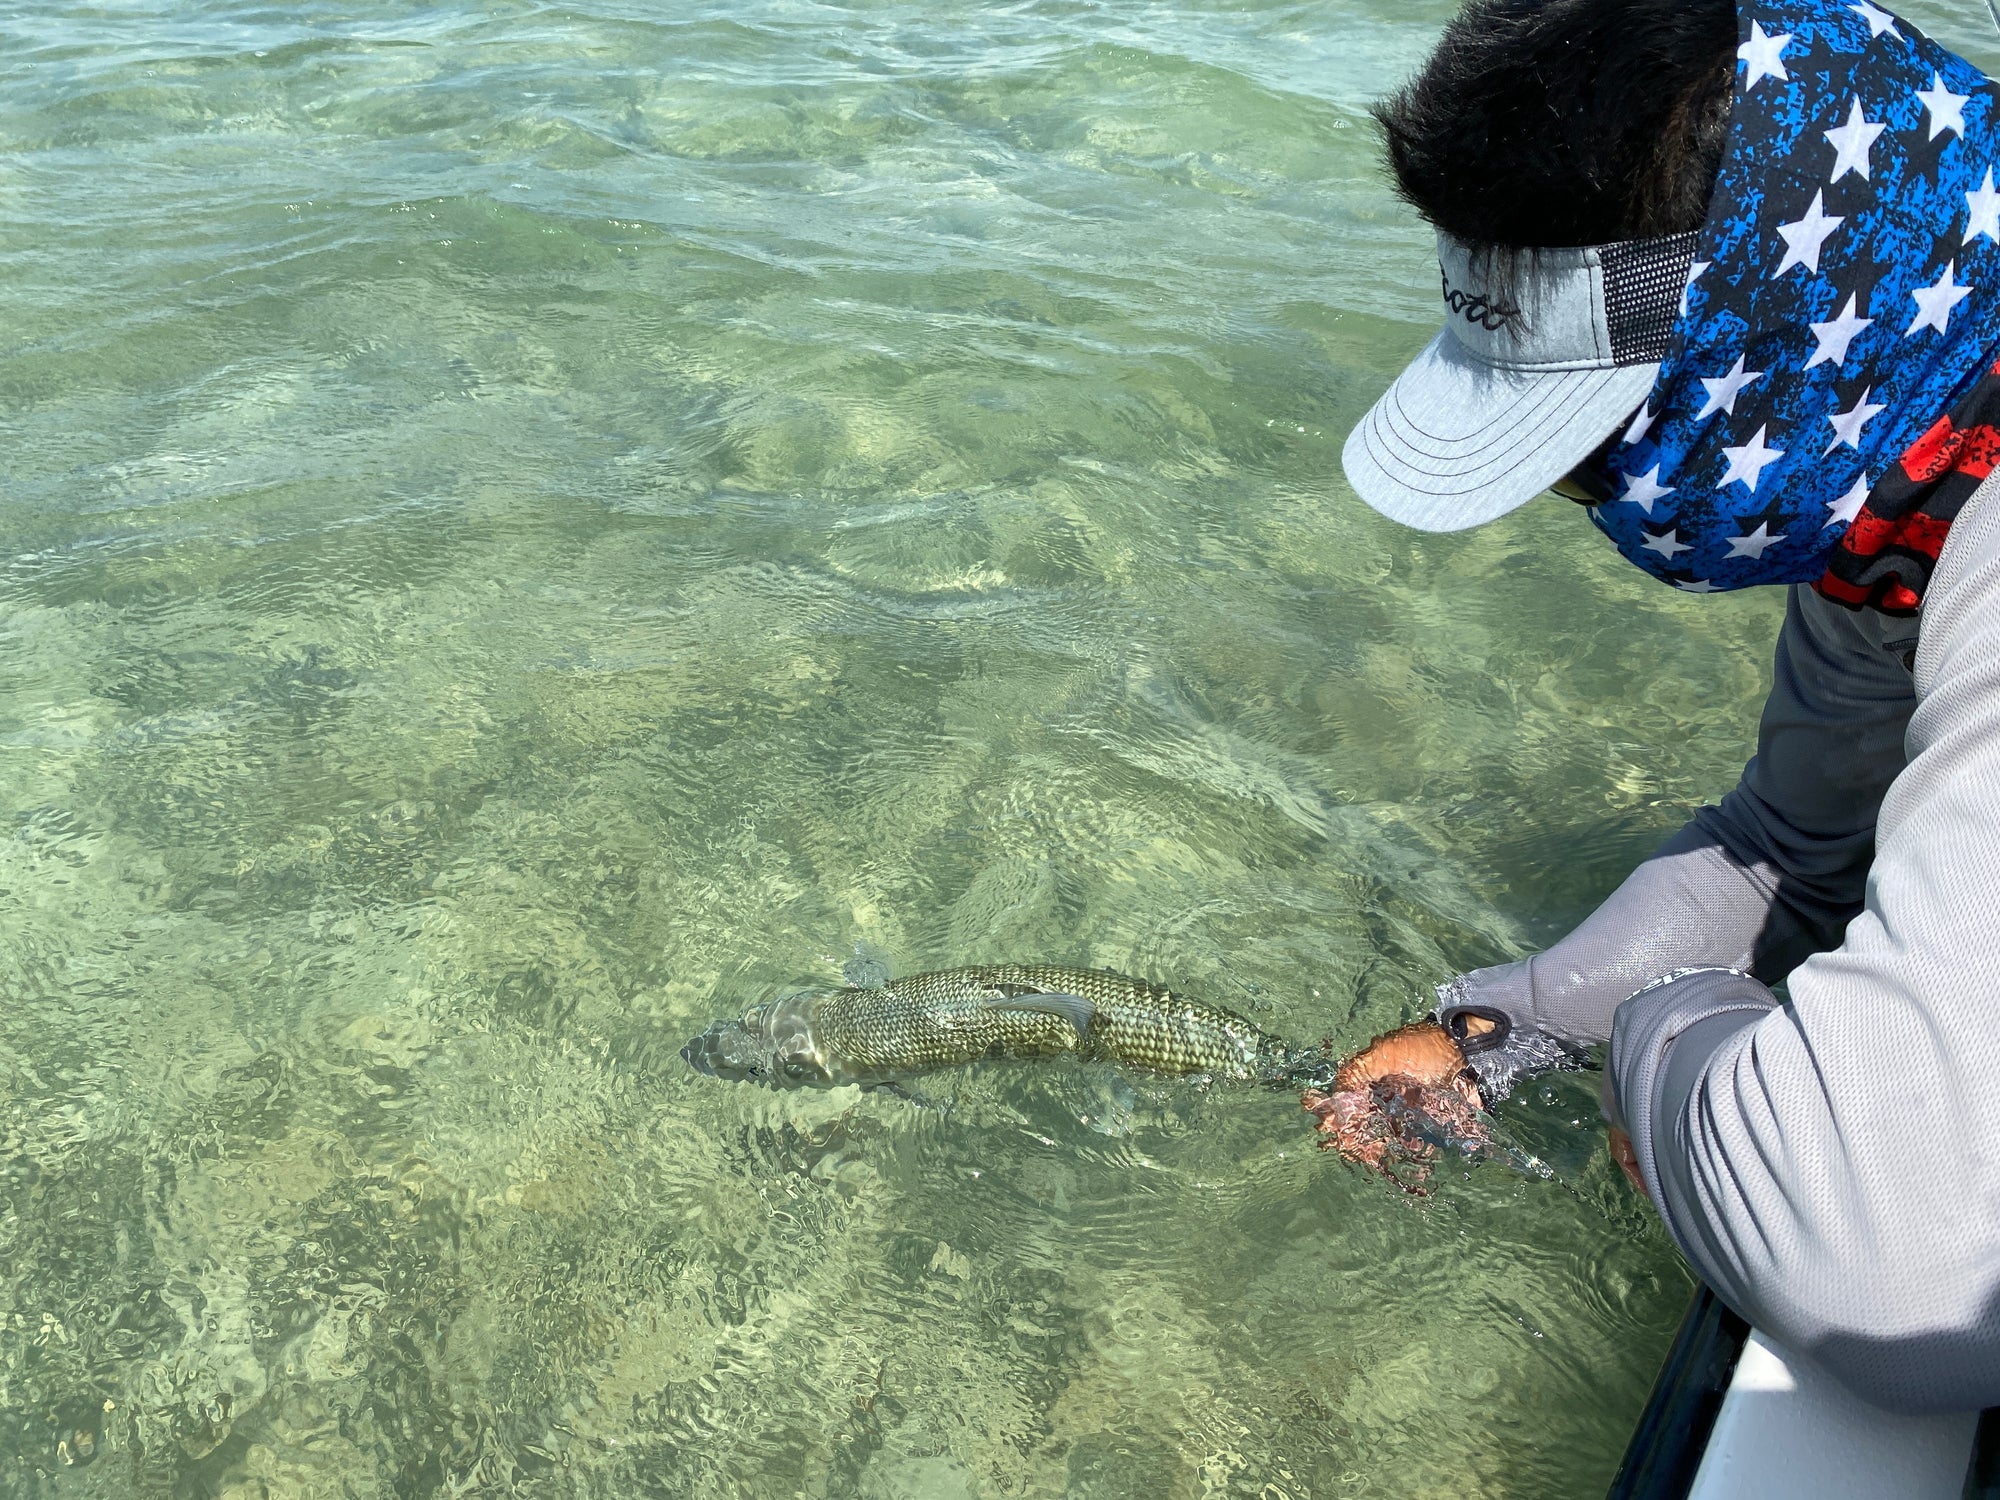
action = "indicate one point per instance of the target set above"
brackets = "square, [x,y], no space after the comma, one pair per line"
[771,1043]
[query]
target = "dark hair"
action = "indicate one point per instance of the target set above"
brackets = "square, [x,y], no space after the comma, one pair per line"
[1567,122]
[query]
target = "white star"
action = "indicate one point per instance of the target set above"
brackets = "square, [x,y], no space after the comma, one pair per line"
[1835,336]
[1762,53]
[1694,275]
[1695,586]
[1851,142]
[1982,210]
[1643,489]
[1803,239]
[1847,425]
[1723,389]
[1753,545]
[1668,542]
[1947,109]
[1934,303]
[1749,461]
[1878,21]
[1642,423]
[1848,506]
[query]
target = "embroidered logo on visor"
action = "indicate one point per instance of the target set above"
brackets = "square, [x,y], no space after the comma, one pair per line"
[1477,309]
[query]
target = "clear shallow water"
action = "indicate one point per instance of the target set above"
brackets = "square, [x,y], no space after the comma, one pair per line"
[525,526]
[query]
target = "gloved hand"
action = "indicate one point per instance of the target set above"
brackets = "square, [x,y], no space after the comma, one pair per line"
[1401,1104]
[1422,1075]
[1691,904]
[1490,1015]
[1422,1052]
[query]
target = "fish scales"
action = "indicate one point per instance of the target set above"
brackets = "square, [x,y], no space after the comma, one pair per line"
[1010,1010]
[882,1029]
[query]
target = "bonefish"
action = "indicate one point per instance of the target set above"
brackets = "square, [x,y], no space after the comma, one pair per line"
[923,1021]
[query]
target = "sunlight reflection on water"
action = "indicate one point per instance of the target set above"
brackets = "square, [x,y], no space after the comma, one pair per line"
[526,527]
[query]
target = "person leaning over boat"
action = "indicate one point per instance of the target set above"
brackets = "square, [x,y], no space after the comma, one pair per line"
[1777,363]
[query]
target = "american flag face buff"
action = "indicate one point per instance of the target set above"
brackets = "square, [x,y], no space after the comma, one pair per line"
[1842,303]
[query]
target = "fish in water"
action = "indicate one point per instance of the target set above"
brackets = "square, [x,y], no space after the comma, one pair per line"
[878,1035]
[1408,1108]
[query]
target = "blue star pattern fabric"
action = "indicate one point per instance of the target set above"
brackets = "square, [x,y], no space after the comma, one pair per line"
[1845,292]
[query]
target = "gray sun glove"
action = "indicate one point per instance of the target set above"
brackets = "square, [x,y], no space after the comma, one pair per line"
[1692,905]
[1756,884]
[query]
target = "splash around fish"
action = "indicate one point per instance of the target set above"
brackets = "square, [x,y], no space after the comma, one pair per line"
[1399,1107]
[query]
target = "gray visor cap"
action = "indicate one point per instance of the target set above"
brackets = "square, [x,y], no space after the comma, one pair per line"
[1523,383]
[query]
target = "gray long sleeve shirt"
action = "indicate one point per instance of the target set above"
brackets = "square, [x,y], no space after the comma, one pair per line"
[1829,1164]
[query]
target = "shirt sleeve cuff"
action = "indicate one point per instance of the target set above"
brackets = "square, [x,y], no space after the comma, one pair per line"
[1661,1044]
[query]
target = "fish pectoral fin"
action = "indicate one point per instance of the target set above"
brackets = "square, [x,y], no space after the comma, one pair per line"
[1074,1009]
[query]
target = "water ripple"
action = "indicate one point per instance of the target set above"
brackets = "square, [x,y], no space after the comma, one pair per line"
[531,527]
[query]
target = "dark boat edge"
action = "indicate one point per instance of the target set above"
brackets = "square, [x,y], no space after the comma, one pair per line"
[1666,1448]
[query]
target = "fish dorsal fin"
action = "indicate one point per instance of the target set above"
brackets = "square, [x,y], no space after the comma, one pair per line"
[1074,1009]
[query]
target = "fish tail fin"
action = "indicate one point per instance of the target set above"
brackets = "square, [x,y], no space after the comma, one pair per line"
[1076,1010]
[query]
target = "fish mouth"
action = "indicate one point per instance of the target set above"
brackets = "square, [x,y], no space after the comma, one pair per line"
[772,1044]
[729,1049]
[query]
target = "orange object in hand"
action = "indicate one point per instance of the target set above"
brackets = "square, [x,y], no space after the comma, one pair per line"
[1399,1103]
[1421,1052]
